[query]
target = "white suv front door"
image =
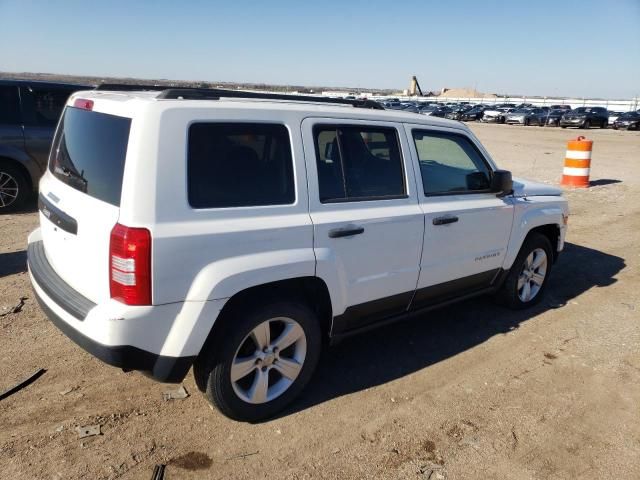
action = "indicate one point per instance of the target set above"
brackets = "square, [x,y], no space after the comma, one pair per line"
[368,226]
[467,227]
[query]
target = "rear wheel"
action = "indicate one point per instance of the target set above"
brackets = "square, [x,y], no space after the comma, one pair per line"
[262,362]
[604,124]
[529,273]
[14,188]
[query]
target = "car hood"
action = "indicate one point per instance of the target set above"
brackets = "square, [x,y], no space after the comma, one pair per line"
[528,188]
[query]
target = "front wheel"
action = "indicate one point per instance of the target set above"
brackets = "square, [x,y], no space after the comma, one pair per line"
[262,362]
[586,124]
[604,124]
[529,273]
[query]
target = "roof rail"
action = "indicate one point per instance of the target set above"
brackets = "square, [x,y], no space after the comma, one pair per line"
[126,87]
[218,93]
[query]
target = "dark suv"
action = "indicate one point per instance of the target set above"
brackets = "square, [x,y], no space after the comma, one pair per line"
[29,112]
[585,117]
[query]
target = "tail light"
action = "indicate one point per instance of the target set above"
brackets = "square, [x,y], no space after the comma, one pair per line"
[130,265]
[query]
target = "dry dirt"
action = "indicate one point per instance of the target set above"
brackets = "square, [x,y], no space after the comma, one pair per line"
[468,392]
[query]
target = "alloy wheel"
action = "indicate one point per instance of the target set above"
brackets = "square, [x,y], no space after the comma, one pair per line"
[531,279]
[8,189]
[268,360]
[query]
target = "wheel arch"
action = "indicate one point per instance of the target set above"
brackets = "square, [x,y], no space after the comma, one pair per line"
[552,232]
[24,163]
[311,290]
[547,218]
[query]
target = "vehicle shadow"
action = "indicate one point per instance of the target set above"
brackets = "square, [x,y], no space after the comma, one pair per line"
[13,262]
[392,352]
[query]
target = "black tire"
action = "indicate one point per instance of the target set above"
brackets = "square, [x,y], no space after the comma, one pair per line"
[527,122]
[12,177]
[508,293]
[604,124]
[563,126]
[587,124]
[212,369]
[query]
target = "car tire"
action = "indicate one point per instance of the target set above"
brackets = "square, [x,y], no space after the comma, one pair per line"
[587,124]
[563,126]
[525,274]
[14,188]
[527,122]
[604,124]
[243,399]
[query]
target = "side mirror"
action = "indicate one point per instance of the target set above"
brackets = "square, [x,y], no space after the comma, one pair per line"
[502,183]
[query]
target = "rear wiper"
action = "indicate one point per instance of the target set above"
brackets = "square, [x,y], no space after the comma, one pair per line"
[72,174]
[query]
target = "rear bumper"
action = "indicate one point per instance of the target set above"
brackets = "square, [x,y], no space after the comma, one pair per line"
[69,311]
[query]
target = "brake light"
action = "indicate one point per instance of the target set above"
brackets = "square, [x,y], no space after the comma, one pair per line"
[130,265]
[83,103]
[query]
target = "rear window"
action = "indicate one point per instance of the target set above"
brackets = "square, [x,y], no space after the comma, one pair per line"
[88,153]
[239,165]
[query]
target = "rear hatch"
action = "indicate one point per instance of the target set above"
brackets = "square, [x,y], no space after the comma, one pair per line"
[79,198]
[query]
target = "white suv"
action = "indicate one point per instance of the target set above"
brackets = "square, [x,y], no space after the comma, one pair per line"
[237,232]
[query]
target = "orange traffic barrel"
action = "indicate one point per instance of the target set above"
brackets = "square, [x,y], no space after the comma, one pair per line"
[577,163]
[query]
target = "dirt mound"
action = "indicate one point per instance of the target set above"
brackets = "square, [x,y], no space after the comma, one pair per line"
[465,93]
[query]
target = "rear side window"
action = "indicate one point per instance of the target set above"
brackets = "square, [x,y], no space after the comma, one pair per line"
[358,163]
[44,105]
[9,106]
[450,164]
[239,165]
[89,151]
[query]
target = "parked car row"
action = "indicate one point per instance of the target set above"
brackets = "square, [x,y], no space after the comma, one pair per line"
[523,114]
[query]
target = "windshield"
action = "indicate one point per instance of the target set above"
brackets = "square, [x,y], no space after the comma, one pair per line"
[88,153]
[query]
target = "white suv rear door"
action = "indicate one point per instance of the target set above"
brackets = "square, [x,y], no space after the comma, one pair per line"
[368,226]
[466,226]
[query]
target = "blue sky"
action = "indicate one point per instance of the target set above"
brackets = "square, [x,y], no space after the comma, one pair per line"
[542,47]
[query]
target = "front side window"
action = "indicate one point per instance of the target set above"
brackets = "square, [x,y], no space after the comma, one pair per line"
[358,163]
[239,165]
[449,164]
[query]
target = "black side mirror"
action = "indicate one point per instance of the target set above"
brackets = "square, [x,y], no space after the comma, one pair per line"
[502,183]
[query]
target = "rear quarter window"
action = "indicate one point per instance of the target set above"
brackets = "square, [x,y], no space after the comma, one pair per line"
[89,151]
[239,165]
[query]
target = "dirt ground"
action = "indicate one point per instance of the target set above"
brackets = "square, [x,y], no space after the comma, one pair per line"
[472,391]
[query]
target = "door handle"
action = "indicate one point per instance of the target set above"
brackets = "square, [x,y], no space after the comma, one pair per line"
[347,231]
[444,220]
